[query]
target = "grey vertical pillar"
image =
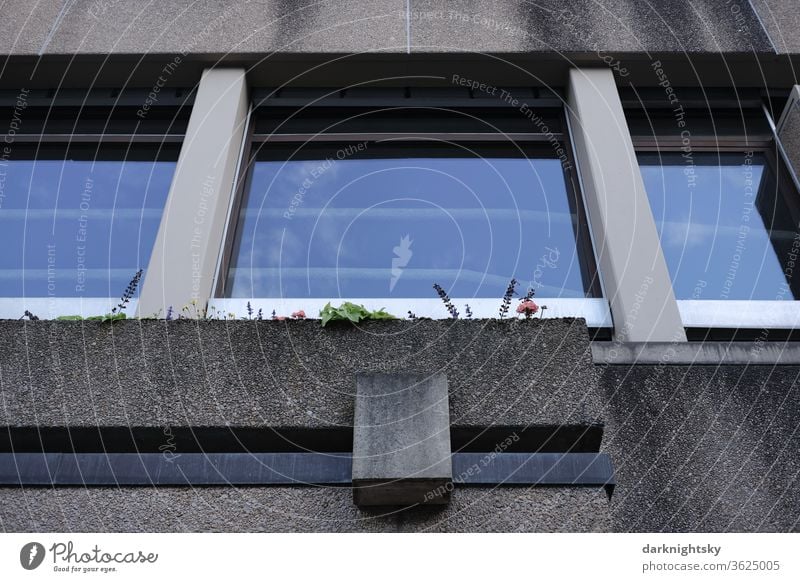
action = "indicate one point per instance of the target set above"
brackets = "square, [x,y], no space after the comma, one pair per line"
[788,130]
[634,272]
[190,236]
[401,440]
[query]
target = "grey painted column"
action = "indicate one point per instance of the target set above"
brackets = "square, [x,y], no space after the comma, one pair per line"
[190,237]
[788,130]
[632,264]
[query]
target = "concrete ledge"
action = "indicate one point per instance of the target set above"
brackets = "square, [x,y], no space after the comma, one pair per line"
[706,353]
[152,373]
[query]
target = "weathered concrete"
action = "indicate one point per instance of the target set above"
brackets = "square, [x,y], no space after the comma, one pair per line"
[264,26]
[704,448]
[695,448]
[210,27]
[293,373]
[309,509]
[401,439]
[613,26]
[781,20]
[788,129]
[697,353]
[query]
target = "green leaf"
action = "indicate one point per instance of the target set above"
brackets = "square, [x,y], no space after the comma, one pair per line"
[326,314]
[351,312]
[69,318]
[113,317]
[381,314]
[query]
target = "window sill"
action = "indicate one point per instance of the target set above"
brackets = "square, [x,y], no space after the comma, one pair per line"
[53,307]
[732,314]
[595,311]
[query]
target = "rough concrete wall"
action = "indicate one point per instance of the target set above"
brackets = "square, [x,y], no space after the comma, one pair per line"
[781,19]
[704,448]
[336,26]
[245,373]
[282,509]
[790,135]
[294,373]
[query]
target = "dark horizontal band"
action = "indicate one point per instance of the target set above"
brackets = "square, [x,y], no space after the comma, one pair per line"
[573,438]
[199,469]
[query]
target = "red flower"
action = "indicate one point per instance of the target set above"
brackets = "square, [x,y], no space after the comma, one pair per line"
[299,314]
[527,307]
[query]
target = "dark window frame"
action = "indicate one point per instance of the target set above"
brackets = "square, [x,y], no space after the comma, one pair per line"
[728,143]
[54,126]
[256,142]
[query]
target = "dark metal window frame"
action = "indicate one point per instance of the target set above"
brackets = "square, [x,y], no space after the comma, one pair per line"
[255,142]
[71,114]
[765,143]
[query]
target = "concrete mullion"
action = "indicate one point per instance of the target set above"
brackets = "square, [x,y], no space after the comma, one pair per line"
[635,275]
[190,237]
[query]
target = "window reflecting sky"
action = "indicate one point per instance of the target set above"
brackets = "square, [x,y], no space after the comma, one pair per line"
[725,230]
[391,227]
[78,228]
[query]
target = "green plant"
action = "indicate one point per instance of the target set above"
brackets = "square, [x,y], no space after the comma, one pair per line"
[118,313]
[351,312]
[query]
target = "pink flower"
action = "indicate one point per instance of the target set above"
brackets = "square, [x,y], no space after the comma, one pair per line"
[299,314]
[280,317]
[527,307]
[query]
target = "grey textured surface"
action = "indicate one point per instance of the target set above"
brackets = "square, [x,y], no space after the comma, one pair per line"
[781,19]
[294,373]
[336,26]
[704,448]
[401,435]
[216,27]
[283,509]
[617,26]
[25,26]
[697,353]
[790,134]
[700,448]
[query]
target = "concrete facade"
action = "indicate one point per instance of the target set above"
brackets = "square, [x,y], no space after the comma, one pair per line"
[703,437]
[706,448]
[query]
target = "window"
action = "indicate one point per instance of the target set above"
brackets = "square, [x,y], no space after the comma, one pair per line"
[82,191]
[389,219]
[726,211]
[726,229]
[351,215]
[79,221]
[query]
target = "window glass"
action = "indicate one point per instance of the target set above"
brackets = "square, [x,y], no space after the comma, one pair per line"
[727,230]
[79,222]
[376,220]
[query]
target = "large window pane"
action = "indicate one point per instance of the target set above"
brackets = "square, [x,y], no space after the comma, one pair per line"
[727,229]
[391,220]
[79,222]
